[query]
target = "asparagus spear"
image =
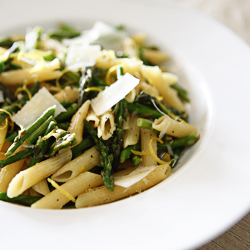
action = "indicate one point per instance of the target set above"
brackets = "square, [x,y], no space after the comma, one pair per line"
[106,158]
[1,67]
[136,159]
[145,99]
[26,200]
[6,42]
[64,31]
[71,110]
[64,139]
[82,146]
[17,157]
[143,58]
[177,143]
[24,134]
[42,146]
[181,92]
[85,82]
[143,110]
[39,131]
[126,152]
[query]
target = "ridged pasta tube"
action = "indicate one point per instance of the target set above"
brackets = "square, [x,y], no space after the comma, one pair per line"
[101,195]
[82,163]
[29,177]
[173,127]
[76,186]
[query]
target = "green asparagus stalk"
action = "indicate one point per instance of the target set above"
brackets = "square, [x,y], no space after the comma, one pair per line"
[26,200]
[64,31]
[6,42]
[42,146]
[126,152]
[117,140]
[181,92]
[82,146]
[145,99]
[143,58]
[71,110]
[24,134]
[39,131]
[8,94]
[136,159]
[1,67]
[17,157]
[64,140]
[143,110]
[176,156]
[177,143]
[106,158]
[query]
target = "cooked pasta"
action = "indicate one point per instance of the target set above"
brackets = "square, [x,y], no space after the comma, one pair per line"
[116,126]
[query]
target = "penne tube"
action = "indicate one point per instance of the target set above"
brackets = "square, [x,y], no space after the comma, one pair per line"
[75,186]
[102,195]
[20,76]
[146,136]
[106,126]
[132,135]
[129,47]
[29,177]
[77,124]
[41,187]
[92,118]
[170,96]
[9,172]
[130,97]
[173,127]
[69,94]
[155,56]
[152,90]
[3,132]
[82,163]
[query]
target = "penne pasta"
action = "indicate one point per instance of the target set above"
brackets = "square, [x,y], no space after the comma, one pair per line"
[69,94]
[106,126]
[101,195]
[41,187]
[132,135]
[82,163]
[75,186]
[146,136]
[33,175]
[173,127]
[76,125]
[170,97]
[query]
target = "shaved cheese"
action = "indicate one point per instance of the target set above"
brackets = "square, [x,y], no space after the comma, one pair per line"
[35,107]
[132,178]
[113,94]
[80,56]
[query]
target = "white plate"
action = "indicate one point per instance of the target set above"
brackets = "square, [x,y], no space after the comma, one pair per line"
[210,191]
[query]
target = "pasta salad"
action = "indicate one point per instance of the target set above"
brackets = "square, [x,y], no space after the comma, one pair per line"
[87,117]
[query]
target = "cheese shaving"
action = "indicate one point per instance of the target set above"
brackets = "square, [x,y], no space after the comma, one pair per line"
[134,177]
[113,94]
[41,100]
[63,191]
